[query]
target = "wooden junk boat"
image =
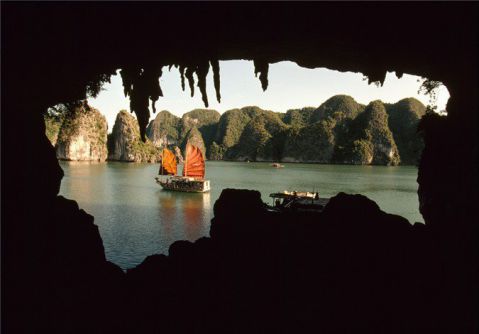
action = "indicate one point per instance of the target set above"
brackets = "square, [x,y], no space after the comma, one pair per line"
[192,179]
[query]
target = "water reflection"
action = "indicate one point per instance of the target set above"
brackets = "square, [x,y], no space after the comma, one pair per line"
[137,218]
[186,211]
[78,180]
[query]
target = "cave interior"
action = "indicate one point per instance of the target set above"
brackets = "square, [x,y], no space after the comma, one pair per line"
[368,270]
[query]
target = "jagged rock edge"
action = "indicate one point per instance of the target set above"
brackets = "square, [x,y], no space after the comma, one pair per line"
[202,71]
[262,67]
[215,66]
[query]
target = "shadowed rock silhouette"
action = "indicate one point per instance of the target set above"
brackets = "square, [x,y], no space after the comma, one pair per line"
[262,271]
[353,267]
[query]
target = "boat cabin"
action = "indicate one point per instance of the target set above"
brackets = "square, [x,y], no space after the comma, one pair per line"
[298,201]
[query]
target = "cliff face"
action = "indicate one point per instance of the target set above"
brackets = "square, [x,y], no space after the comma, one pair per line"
[164,129]
[403,121]
[124,143]
[249,133]
[317,142]
[299,117]
[339,131]
[230,127]
[262,138]
[82,135]
[205,121]
[197,126]
[369,139]
[195,138]
[312,143]
[338,107]
[52,127]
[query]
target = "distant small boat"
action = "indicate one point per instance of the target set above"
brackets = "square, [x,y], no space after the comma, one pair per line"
[192,179]
[277,165]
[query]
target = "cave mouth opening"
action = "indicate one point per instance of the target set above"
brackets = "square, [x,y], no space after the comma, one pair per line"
[137,219]
[427,279]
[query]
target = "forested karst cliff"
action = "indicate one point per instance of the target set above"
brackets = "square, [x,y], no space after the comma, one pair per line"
[82,135]
[340,130]
[404,118]
[124,143]
[163,130]
[313,137]
[368,139]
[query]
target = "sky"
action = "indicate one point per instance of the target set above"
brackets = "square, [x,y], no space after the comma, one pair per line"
[290,87]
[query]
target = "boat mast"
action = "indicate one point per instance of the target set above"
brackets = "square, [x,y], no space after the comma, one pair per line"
[186,159]
[162,157]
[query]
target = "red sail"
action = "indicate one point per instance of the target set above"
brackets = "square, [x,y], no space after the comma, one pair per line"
[168,163]
[195,163]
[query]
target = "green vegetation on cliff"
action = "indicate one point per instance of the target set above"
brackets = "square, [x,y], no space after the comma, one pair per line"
[216,152]
[314,133]
[205,120]
[53,123]
[262,137]
[199,125]
[125,144]
[164,129]
[83,134]
[340,130]
[231,126]
[369,139]
[299,117]
[338,107]
[311,143]
[195,138]
[404,119]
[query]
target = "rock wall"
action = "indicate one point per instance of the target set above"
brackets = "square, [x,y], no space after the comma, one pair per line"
[404,117]
[82,135]
[124,143]
[194,137]
[164,129]
[36,75]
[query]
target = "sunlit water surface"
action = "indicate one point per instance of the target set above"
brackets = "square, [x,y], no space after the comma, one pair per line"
[137,218]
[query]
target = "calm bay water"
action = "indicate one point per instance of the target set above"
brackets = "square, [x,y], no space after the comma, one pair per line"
[136,218]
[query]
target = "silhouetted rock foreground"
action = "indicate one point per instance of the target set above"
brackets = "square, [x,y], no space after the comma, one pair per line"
[353,267]
[441,293]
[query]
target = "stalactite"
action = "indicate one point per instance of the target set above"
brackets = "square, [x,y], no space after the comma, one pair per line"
[262,67]
[215,66]
[378,77]
[191,80]
[142,85]
[139,105]
[202,71]
[127,79]
[182,74]
[152,78]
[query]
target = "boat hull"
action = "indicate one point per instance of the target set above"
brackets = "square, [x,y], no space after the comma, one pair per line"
[184,184]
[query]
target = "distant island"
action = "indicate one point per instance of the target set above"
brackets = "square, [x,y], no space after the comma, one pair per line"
[339,131]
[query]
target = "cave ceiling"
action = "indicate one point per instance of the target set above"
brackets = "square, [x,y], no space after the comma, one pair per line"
[58,52]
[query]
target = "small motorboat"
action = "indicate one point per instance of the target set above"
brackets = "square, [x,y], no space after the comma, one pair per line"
[298,201]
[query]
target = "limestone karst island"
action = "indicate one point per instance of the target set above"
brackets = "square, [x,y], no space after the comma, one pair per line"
[339,131]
